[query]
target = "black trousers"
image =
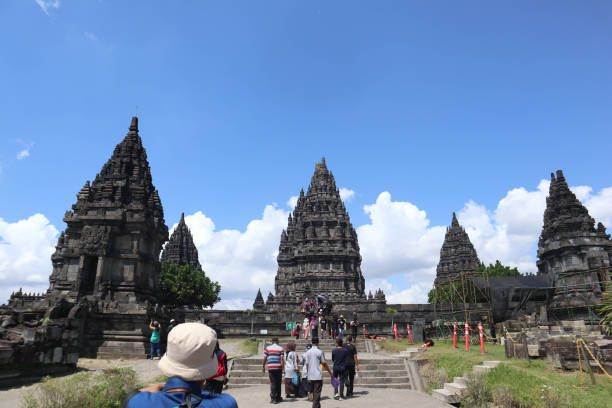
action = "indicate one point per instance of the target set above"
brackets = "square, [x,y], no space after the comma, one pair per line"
[354,333]
[276,377]
[317,387]
[351,378]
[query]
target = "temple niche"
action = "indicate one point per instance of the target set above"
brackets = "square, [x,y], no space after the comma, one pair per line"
[180,249]
[572,253]
[457,255]
[115,231]
[319,252]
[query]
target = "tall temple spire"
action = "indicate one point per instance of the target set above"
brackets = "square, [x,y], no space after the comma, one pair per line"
[116,224]
[180,249]
[571,250]
[457,254]
[319,252]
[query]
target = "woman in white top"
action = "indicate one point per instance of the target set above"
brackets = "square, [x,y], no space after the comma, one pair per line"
[291,368]
[306,327]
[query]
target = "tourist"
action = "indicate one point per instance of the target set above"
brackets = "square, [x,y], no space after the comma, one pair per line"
[352,364]
[341,326]
[305,386]
[339,355]
[354,326]
[314,328]
[306,327]
[334,326]
[190,359]
[215,383]
[155,327]
[323,324]
[273,355]
[315,358]
[291,369]
[297,331]
[171,325]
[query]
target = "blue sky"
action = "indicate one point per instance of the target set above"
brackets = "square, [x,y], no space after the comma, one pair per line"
[448,107]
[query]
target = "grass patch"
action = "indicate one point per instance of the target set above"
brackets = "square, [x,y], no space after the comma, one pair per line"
[248,346]
[516,383]
[106,390]
[394,346]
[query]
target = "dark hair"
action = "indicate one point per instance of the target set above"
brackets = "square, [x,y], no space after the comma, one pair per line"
[315,340]
[349,338]
[274,339]
[339,341]
[290,347]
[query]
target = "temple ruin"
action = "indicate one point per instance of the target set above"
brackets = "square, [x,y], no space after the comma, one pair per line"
[319,252]
[457,255]
[180,249]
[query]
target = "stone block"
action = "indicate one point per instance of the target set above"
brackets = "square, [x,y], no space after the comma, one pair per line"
[58,353]
[72,358]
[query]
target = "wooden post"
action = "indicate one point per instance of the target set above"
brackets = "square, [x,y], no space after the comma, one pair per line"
[585,358]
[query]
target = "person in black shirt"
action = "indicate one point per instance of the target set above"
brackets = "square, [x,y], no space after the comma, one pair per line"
[334,325]
[354,326]
[352,362]
[339,355]
[323,323]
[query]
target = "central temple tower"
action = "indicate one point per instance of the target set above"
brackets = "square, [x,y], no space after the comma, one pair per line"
[319,252]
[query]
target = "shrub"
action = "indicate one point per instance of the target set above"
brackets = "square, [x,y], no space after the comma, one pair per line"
[390,310]
[83,390]
[504,398]
[477,393]
[432,377]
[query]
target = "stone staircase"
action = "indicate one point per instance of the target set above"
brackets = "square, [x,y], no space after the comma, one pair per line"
[381,372]
[451,393]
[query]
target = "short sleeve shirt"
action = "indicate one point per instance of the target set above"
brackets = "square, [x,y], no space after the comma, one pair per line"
[274,353]
[352,352]
[339,355]
[313,359]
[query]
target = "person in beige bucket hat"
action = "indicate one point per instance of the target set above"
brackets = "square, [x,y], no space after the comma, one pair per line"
[189,360]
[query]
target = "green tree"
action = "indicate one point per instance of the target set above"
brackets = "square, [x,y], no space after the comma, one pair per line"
[497,270]
[605,308]
[187,286]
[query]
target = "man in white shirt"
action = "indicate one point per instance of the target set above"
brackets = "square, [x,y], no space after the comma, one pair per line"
[314,358]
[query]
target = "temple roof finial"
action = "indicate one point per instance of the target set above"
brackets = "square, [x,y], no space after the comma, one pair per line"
[134,124]
[454,222]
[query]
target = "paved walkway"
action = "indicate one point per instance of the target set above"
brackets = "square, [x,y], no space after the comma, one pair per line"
[259,396]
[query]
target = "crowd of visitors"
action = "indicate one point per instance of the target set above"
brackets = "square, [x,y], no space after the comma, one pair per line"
[314,326]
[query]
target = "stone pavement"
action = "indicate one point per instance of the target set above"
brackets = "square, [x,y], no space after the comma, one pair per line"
[259,396]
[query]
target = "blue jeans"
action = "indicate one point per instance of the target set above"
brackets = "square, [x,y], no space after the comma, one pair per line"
[341,332]
[155,349]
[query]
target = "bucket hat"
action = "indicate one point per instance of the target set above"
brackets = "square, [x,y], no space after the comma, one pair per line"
[190,353]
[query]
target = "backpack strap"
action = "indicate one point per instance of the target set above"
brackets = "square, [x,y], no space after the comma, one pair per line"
[188,403]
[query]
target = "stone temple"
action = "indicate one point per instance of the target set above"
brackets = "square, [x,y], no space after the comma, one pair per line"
[110,248]
[319,252]
[180,249]
[457,255]
[574,255]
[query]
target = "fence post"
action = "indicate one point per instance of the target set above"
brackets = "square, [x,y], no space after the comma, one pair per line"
[409,335]
[467,337]
[482,351]
[455,335]
[364,334]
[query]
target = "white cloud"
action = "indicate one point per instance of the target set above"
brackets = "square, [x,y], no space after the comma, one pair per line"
[346,194]
[46,5]
[242,261]
[399,240]
[26,151]
[292,202]
[25,254]
[90,36]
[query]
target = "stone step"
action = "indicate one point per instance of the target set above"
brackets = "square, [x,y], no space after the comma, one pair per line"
[362,361]
[444,395]
[455,387]
[238,372]
[397,386]
[481,368]
[460,380]
[491,363]
[239,366]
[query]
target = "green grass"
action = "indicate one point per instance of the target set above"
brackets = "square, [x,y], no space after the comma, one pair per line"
[248,346]
[533,385]
[394,346]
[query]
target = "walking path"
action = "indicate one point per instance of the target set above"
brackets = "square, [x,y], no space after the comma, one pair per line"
[259,396]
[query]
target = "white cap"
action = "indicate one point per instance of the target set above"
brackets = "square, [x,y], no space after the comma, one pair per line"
[190,353]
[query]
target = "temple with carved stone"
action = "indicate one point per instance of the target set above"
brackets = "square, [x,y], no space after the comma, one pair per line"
[110,248]
[180,249]
[573,255]
[319,252]
[457,255]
